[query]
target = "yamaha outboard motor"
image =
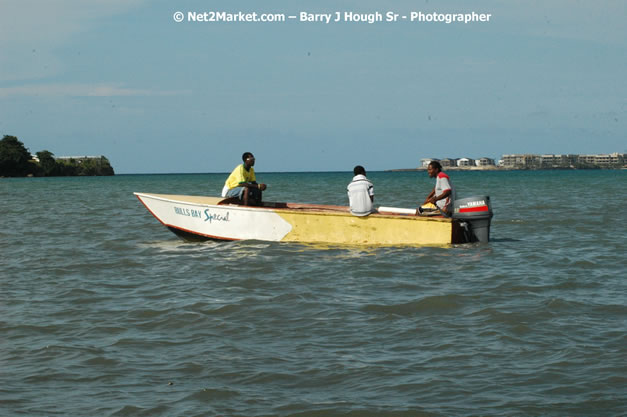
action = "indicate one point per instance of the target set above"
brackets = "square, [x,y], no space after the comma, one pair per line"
[475,214]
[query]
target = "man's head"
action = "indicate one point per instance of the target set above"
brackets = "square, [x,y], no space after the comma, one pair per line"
[248,158]
[434,169]
[359,170]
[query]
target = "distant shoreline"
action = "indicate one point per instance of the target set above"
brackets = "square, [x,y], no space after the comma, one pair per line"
[480,169]
[495,168]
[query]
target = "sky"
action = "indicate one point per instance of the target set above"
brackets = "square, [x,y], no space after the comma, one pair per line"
[124,79]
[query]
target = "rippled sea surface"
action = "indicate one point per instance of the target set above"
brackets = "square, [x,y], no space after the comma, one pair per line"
[104,312]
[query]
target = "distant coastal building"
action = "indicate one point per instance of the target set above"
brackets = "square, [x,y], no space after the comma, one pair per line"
[526,160]
[448,162]
[426,161]
[460,162]
[532,161]
[604,159]
[465,162]
[484,162]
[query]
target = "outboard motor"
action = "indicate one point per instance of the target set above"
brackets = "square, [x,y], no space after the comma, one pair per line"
[476,215]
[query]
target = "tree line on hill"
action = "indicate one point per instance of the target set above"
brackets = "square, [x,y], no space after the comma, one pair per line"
[16,161]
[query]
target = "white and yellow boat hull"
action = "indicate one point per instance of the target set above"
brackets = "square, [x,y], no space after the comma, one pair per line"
[200,218]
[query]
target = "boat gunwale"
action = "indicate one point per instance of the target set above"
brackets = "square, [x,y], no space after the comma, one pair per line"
[309,208]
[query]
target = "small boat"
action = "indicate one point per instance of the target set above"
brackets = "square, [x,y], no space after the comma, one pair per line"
[198,218]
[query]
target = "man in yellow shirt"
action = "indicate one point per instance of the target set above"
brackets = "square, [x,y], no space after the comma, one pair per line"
[243,184]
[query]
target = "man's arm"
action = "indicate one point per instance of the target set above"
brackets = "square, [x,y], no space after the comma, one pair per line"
[253,184]
[442,196]
[431,194]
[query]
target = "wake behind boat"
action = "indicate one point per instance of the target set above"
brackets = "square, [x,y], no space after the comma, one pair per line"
[203,218]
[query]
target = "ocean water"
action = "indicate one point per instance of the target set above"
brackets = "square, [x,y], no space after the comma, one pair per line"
[104,312]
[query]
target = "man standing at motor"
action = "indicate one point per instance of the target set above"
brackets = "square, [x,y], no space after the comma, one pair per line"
[443,194]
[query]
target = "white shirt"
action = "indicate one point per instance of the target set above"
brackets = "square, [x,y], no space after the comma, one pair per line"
[359,192]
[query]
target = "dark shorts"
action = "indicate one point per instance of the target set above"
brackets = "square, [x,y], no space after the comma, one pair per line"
[255,193]
[236,192]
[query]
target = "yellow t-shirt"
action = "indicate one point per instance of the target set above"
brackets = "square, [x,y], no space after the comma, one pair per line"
[238,175]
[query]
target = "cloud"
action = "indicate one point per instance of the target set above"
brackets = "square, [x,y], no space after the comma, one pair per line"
[81,90]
